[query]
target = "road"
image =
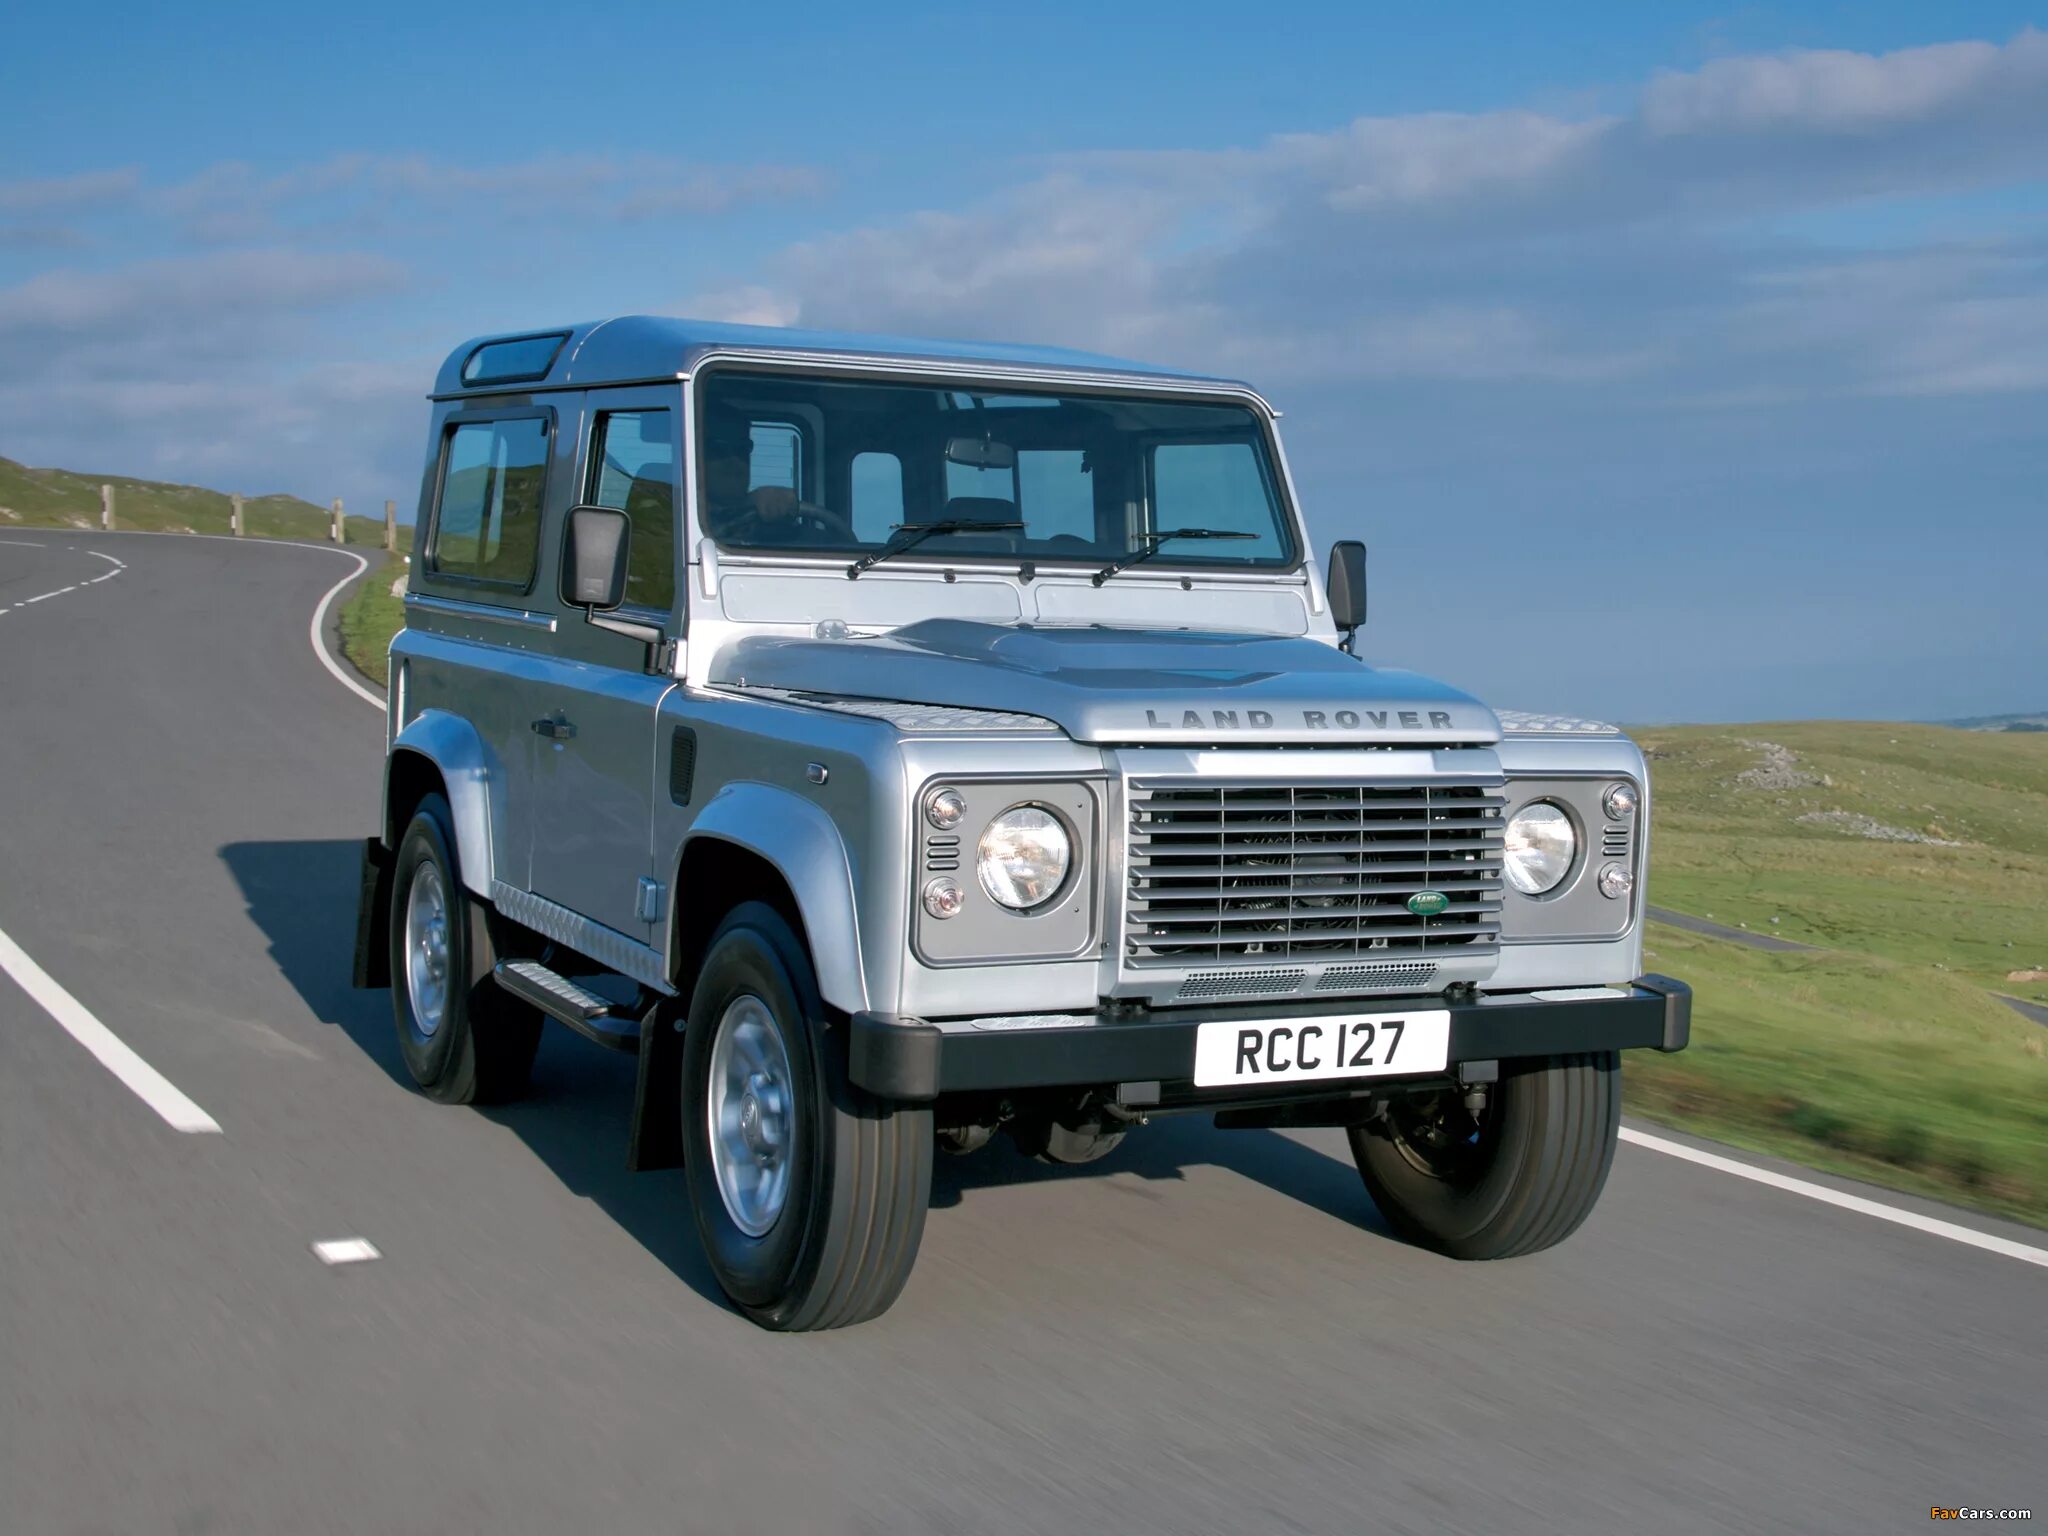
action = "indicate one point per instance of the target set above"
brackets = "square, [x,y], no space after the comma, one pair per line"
[1208,1332]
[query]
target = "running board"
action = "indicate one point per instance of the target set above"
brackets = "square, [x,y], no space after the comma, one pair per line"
[561,999]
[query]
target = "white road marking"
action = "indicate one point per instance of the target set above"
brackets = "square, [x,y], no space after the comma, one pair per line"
[1948,1229]
[140,1078]
[320,642]
[22,544]
[346,1250]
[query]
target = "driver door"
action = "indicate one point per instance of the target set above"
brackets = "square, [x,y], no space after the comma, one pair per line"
[595,713]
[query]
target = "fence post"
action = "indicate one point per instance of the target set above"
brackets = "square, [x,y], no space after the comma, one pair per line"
[391,525]
[335,532]
[107,508]
[235,515]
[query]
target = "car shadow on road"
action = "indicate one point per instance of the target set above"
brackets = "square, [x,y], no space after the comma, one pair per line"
[576,1118]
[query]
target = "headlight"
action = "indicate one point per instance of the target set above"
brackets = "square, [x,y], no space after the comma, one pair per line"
[1540,844]
[1023,858]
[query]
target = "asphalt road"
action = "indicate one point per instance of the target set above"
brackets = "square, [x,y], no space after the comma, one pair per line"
[1208,1332]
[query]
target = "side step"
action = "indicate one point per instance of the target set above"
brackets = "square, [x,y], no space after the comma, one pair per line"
[560,998]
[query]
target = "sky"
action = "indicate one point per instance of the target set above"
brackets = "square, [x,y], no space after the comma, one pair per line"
[1675,362]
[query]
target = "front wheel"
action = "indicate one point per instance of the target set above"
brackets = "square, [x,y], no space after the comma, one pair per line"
[809,1194]
[1517,1176]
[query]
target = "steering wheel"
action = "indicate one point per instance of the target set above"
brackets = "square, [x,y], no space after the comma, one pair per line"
[823,521]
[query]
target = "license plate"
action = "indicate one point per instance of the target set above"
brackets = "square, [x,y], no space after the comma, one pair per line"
[1304,1050]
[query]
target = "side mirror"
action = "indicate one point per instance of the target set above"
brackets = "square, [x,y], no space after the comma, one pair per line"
[594,570]
[1347,587]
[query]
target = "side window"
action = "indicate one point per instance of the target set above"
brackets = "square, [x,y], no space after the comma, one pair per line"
[633,468]
[877,495]
[778,457]
[487,527]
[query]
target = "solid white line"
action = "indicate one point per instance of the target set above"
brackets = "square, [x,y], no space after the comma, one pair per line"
[346,1250]
[21,544]
[143,1080]
[320,640]
[1820,1192]
[108,558]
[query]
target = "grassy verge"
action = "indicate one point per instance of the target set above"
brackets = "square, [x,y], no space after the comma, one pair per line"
[371,616]
[1877,1069]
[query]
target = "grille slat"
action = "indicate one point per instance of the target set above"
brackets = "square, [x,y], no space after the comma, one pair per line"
[1223,872]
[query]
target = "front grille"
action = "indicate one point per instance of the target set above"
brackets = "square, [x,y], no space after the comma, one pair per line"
[1264,872]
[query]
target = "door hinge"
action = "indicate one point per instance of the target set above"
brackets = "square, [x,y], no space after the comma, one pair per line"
[652,902]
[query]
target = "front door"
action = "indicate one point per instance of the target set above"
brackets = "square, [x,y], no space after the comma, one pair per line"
[594,716]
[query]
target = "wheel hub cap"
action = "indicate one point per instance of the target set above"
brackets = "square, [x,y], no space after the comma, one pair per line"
[750,1115]
[426,948]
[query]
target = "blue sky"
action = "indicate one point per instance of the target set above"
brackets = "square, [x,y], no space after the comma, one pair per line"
[1676,362]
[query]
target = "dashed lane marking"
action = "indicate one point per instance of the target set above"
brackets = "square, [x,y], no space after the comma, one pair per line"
[346,1250]
[1945,1229]
[137,1075]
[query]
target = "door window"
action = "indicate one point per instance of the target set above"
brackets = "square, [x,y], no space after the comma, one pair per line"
[633,468]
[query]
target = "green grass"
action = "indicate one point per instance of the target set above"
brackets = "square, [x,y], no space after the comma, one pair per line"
[1741,856]
[1879,1069]
[371,616]
[1884,1056]
[58,498]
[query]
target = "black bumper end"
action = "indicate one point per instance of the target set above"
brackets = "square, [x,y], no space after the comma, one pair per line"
[909,1059]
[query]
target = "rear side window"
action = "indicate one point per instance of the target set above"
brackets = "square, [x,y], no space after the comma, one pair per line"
[493,474]
[633,468]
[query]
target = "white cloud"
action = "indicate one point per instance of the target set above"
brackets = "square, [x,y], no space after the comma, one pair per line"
[1497,246]
[84,190]
[1837,92]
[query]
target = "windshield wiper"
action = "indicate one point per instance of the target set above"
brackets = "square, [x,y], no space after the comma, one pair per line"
[918,533]
[1152,541]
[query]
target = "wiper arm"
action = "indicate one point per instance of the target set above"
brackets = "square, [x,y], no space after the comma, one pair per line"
[1152,541]
[918,533]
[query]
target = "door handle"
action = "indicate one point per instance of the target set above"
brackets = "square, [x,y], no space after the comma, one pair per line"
[555,727]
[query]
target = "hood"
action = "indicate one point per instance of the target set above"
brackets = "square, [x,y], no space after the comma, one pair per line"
[1123,685]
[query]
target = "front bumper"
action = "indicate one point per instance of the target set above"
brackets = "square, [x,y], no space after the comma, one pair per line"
[909,1059]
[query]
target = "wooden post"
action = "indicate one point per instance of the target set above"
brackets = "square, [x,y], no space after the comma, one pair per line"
[235,515]
[335,532]
[107,508]
[391,525]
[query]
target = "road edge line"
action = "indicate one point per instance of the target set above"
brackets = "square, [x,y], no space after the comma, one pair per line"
[135,1074]
[319,638]
[1904,1218]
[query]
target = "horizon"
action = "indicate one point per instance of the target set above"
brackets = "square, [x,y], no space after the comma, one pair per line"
[1724,339]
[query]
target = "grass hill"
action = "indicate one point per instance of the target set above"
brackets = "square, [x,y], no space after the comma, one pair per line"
[1915,859]
[60,498]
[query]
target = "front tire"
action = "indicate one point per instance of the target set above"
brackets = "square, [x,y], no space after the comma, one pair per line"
[1517,1178]
[809,1194]
[464,1041]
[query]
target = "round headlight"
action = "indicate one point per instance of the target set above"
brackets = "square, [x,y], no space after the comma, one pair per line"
[1023,858]
[1619,802]
[1540,844]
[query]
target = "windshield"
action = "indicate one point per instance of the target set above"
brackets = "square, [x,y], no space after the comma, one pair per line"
[792,464]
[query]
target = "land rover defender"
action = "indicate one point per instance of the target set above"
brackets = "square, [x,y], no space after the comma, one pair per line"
[895,742]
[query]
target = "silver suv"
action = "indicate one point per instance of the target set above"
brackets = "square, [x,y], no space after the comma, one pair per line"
[894,742]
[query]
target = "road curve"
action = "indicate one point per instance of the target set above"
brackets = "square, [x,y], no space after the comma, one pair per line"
[1206,1332]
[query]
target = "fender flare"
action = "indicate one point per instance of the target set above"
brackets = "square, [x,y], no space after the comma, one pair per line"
[451,744]
[803,844]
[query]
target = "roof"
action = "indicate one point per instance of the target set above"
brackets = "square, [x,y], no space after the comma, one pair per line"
[644,347]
